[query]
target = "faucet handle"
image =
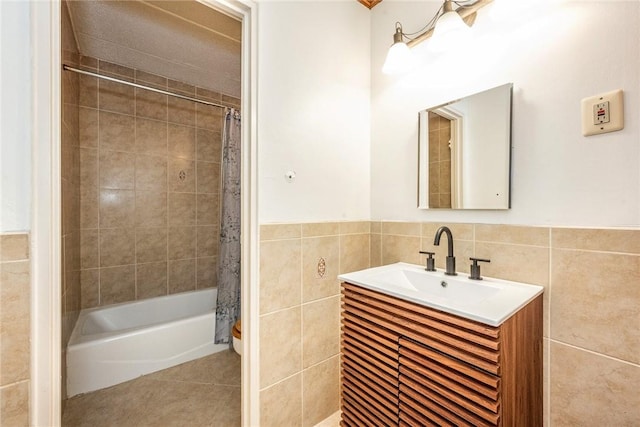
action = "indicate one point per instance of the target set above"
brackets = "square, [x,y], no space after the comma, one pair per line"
[475,268]
[431,262]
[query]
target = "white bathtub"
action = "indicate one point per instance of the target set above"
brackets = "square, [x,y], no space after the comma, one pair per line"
[120,342]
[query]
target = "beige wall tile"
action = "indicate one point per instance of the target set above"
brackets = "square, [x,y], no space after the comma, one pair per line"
[90,288]
[182,111]
[117,208]
[14,247]
[182,141]
[626,241]
[151,280]
[117,170]
[281,404]
[280,231]
[208,237]
[88,129]
[117,284]
[151,244]
[151,209]
[354,252]
[591,390]
[88,94]
[208,145]
[182,175]
[208,210]
[182,242]
[520,235]
[546,381]
[354,227]
[115,70]
[401,228]
[320,253]
[207,95]
[14,321]
[320,229]
[90,248]
[375,226]
[151,137]
[460,231]
[400,248]
[117,246]
[180,87]
[150,104]
[150,79]
[14,404]
[88,170]
[208,177]
[280,346]
[280,274]
[320,391]
[320,330]
[182,275]
[117,131]
[182,209]
[595,302]
[528,264]
[151,173]
[207,272]
[89,209]
[208,117]
[116,97]
[375,251]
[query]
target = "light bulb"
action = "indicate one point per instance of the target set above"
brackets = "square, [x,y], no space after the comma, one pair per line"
[399,59]
[450,32]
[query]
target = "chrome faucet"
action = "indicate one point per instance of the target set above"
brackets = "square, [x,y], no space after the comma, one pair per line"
[451,260]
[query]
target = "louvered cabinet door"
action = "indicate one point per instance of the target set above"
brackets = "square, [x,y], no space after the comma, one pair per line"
[369,365]
[437,389]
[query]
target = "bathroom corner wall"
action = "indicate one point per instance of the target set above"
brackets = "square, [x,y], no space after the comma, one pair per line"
[15,348]
[591,304]
[300,316]
[70,184]
[150,186]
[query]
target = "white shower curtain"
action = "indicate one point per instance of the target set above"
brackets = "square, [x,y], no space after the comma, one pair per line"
[228,304]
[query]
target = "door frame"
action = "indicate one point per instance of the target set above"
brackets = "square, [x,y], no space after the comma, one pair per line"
[45,31]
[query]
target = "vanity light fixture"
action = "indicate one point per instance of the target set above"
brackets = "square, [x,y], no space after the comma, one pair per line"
[447,29]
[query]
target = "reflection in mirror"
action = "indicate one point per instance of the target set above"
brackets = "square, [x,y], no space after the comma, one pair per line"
[465,152]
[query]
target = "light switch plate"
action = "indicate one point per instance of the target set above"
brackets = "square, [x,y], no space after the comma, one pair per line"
[603,113]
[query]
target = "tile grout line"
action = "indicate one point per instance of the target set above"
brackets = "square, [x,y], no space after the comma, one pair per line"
[595,353]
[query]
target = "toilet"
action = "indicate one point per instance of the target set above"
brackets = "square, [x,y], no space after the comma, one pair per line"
[237,337]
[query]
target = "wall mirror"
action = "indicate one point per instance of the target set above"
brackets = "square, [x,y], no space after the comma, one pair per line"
[464,152]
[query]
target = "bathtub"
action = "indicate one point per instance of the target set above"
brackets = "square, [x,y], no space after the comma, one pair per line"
[116,343]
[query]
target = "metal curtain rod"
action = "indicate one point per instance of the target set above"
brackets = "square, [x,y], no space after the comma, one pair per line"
[124,82]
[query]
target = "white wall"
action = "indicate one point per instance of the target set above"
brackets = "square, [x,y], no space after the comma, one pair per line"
[15,117]
[554,57]
[313,111]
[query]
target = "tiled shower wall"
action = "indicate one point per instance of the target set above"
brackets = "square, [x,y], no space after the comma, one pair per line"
[591,309]
[15,349]
[300,315]
[70,183]
[150,185]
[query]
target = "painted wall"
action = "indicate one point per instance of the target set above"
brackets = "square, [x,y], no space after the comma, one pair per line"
[313,108]
[15,115]
[553,60]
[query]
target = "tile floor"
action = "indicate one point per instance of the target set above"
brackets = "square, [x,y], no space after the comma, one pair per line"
[204,392]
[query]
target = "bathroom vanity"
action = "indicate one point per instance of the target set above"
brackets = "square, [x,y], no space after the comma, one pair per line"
[417,352]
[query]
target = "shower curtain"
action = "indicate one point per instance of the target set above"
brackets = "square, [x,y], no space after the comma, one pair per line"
[228,304]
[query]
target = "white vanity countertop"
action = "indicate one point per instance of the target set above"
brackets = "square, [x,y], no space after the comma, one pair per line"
[489,301]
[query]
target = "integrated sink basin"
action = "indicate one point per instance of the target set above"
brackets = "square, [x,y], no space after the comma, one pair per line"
[490,301]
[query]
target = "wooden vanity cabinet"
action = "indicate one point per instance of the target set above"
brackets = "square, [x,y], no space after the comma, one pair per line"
[410,365]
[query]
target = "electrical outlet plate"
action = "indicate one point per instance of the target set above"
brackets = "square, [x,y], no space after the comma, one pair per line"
[602,113]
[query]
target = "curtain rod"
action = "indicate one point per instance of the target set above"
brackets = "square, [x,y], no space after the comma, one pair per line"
[164,92]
